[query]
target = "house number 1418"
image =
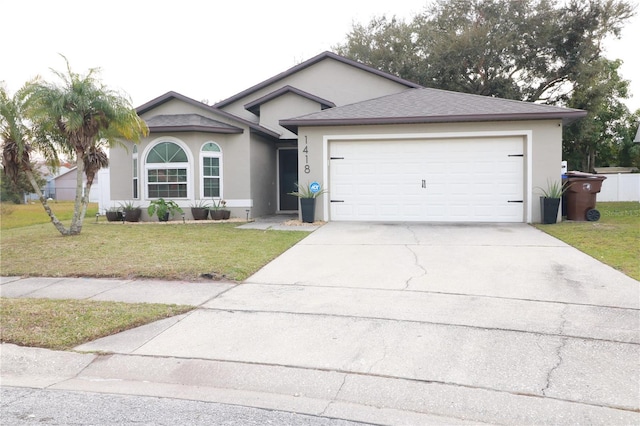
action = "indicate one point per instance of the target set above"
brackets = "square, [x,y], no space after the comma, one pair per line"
[307,168]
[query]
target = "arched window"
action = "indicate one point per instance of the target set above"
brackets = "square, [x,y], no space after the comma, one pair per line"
[211,163]
[167,167]
[136,187]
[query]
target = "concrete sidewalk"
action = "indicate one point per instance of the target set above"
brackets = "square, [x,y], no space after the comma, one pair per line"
[102,289]
[379,323]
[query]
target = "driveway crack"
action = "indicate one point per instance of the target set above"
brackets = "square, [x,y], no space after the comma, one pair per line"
[416,262]
[559,349]
[335,397]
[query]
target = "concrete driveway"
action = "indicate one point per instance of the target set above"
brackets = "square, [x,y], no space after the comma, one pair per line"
[403,324]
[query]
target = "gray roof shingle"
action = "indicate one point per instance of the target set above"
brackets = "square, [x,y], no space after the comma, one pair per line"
[188,122]
[425,105]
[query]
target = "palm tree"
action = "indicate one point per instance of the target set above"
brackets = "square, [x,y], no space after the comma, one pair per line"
[81,117]
[18,144]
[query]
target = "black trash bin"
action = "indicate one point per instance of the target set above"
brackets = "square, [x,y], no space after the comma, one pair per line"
[580,196]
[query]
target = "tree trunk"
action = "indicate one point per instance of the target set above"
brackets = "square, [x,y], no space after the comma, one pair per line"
[59,226]
[85,203]
[76,220]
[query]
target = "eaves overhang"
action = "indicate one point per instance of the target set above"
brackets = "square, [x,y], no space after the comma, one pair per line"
[566,117]
[201,129]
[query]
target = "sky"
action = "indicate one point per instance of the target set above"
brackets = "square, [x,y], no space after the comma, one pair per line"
[206,50]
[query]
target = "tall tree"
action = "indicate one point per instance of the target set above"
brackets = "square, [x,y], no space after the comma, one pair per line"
[79,116]
[532,50]
[18,144]
[599,91]
[626,130]
[526,50]
[14,190]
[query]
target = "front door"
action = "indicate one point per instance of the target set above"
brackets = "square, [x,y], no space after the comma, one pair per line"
[287,178]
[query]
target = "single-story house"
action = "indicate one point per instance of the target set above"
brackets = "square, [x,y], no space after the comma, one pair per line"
[384,148]
[62,186]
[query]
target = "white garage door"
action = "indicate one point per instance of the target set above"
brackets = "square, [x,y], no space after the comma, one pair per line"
[444,180]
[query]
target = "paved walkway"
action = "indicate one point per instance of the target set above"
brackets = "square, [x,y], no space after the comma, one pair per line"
[380,323]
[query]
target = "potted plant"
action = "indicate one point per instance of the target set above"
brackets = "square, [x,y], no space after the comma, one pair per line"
[218,211]
[550,201]
[130,211]
[200,210]
[307,195]
[163,209]
[114,214]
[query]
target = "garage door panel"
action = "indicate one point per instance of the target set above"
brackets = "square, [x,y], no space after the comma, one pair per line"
[430,180]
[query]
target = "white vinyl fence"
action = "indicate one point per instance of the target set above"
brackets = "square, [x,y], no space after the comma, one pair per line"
[620,187]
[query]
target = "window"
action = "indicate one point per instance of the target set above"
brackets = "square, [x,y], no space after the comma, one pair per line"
[211,161]
[135,172]
[167,168]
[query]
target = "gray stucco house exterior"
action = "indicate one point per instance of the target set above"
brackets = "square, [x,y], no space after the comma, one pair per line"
[386,149]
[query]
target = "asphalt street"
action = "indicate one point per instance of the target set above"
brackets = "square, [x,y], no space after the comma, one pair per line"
[25,406]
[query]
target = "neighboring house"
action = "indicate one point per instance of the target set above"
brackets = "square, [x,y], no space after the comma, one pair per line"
[385,148]
[62,187]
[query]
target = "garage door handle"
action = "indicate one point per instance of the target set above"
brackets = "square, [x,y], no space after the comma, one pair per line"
[515,201]
[337,201]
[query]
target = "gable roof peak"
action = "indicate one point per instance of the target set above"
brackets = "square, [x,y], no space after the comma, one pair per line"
[254,106]
[175,95]
[306,64]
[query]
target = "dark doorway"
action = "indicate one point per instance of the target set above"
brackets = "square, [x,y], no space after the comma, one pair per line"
[288,176]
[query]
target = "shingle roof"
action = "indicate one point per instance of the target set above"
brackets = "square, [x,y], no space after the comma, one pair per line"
[308,63]
[426,105]
[188,122]
[174,95]
[254,106]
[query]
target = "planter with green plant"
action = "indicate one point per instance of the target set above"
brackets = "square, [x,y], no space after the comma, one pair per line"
[550,201]
[200,210]
[307,195]
[130,211]
[114,214]
[218,210]
[163,208]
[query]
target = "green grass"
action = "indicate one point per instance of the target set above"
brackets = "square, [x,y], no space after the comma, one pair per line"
[31,246]
[614,239]
[64,324]
[164,251]
[19,215]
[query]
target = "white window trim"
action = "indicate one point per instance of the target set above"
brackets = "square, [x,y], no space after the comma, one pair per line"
[135,163]
[188,166]
[211,154]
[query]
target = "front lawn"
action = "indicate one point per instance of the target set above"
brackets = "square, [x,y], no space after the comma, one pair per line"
[164,251]
[614,239]
[64,324]
[19,215]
